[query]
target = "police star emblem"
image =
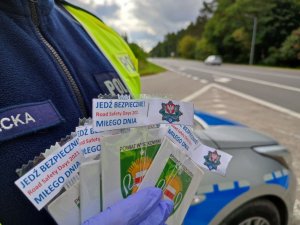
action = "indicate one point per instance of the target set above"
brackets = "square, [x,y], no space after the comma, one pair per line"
[212,160]
[170,112]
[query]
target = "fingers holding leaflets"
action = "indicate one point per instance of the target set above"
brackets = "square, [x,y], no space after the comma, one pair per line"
[160,214]
[130,211]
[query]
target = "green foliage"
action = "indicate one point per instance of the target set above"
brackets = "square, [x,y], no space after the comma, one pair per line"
[224,27]
[139,53]
[169,46]
[290,50]
[145,67]
[187,47]
[148,68]
[204,49]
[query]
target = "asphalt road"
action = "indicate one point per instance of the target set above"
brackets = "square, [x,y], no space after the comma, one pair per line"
[266,99]
[280,87]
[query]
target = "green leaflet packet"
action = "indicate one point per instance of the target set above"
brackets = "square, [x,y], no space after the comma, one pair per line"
[177,175]
[125,159]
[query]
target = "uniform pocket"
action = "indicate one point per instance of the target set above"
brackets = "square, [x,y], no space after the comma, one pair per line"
[23,119]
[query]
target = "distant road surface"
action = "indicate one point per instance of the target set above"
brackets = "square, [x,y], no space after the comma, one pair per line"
[280,87]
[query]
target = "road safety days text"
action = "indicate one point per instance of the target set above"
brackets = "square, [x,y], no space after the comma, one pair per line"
[118,114]
[46,179]
[89,140]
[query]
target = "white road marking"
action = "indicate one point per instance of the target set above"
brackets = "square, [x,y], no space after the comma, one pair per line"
[188,76]
[222,79]
[203,81]
[197,93]
[256,72]
[259,101]
[240,94]
[245,96]
[267,83]
[216,100]
[221,112]
[219,106]
[289,134]
[195,78]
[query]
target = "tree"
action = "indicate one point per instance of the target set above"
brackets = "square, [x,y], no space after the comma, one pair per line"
[225,27]
[187,46]
[204,49]
[290,49]
[139,53]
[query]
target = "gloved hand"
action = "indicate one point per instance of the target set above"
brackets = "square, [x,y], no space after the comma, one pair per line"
[142,208]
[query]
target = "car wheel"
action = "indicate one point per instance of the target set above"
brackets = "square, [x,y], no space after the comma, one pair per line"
[257,212]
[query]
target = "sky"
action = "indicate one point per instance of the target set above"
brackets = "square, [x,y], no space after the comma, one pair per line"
[144,21]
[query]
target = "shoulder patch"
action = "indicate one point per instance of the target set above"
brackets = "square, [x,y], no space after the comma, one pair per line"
[21,119]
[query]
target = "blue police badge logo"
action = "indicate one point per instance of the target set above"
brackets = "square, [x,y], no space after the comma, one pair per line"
[170,112]
[212,160]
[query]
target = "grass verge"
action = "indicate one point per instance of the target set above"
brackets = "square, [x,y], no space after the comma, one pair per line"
[148,68]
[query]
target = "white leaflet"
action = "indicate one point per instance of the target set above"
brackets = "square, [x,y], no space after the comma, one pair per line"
[89,140]
[177,175]
[212,159]
[183,137]
[43,182]
[109,114]
[65,208]
[170,112]
[90,190]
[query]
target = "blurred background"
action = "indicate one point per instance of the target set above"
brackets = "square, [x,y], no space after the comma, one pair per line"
[238,59]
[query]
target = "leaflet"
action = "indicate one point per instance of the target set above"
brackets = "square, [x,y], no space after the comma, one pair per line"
[89,140]
[183,137]
[65,208]
[177,175]
[125,160]
[90,189]
[170,112]
[43,182]
[211,159]
[109,114]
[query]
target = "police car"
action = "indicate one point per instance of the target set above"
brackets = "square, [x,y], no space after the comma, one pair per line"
[259,187]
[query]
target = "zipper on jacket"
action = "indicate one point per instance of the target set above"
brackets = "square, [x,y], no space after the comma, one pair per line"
[56,56]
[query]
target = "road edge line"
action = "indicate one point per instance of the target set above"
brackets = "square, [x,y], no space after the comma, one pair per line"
[258,101]
[253,80]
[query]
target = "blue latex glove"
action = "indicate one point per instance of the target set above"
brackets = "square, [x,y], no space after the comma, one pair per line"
[143,208]
[160,214]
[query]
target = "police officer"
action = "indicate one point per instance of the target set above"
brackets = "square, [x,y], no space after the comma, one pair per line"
[54,58]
